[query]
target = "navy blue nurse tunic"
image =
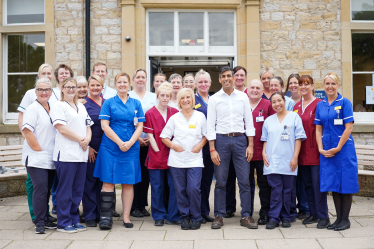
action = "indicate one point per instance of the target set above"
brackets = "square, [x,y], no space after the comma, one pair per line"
[340,172]
[93,109]
[113,165]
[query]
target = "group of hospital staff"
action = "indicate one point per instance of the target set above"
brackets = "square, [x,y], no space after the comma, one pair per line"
[82,138]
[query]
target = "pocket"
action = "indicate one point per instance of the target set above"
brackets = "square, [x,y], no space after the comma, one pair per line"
[39,159]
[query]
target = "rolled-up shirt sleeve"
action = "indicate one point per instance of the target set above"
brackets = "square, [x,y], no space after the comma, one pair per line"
[57,114]
[168,130]
[249,127]
[211,120]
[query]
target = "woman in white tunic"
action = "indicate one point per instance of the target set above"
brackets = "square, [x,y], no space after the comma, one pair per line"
[282,134]
[188,127]
[70,155]
[37,152]
[176,81]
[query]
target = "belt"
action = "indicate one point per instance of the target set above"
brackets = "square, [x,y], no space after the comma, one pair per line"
[233,134]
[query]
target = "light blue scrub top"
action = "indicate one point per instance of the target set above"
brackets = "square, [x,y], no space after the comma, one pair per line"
[280,152]
[289,104]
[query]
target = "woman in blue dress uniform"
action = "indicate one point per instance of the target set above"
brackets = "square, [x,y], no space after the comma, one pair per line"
[117,161]
[92,186]
[338,169]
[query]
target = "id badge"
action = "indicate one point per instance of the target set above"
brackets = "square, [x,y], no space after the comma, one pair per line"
[338,121]
[260,119]
[135,121]
[284,137]
[192,126]
[88,122]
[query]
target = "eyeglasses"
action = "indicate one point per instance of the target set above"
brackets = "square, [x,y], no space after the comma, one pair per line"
[70,87]
[41,90]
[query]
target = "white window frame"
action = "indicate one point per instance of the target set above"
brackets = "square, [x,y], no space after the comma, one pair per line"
[5,16]
[10,117]
[359,21]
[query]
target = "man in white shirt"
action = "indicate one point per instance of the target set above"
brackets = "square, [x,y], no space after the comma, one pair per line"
[229,123]
[100,69]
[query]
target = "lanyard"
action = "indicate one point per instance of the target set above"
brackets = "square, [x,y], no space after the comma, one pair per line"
[198,95]
[54,94]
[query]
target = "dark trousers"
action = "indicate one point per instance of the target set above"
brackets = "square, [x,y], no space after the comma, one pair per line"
[231,189]
[156,177]
[42,180]
[206,183]
[280,201]
[54,190]
[302,199]
[141,188]
[232,148]
[265,189]
[187,182]
[91,195]
[317,201]
[69,194]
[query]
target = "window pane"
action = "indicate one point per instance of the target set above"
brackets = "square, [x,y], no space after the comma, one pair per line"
[191,29]
[363,52]
[161,29]
[25,52]
[17,87]
[362,10]
[25,11]
[360,81]
[221,29]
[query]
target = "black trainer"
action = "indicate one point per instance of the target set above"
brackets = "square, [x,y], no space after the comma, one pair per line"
[91,223]
[302,215]
[263,220]
[271,225]
[186,224]
[195,225]
[310,220]
[229,214]
[145,212]
[323,223]
[51,218]
[286,223]
[137,213]
[39,229]
[159,223]
[50,225]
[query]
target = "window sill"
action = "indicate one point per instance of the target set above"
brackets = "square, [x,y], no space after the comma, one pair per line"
[363,128]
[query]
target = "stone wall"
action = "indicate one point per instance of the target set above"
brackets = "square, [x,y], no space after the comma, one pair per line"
[105,35]
[301,36]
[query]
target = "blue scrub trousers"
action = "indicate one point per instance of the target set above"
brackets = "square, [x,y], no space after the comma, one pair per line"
[91,195]
[54,190]
[187,182]
[206,183]
[317,201]
[156,177]
[69,194]
[280,200]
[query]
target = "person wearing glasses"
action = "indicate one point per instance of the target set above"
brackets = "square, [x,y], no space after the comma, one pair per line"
[38,151]
[45,71]
[70,155]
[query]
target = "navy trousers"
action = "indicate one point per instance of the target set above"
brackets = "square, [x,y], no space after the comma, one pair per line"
[156,177]
[206,183]
[42,180]
[232,148]
[141,188]
[265,189]
[317,201]
[280,200]
[231,189]
[54,190]
[69,194]
[187,182]
[91,195]
[302,199]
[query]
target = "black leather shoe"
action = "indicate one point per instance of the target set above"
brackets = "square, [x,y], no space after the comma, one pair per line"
[137,213]
[331,226]
[51,218]
[177,222]
[195,225]
[207,218]
[310,220]
[186,224]
[341,228]
[293,220]
[302,215]
[263,220]
[54,209]
[229,214]
[286,223]
[203,221]
[115,214]
[91,223]
[271,225]
[159,223]
[128,224]
[145,212]
[323,223]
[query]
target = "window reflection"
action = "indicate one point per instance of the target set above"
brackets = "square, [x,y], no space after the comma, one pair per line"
[363,52]
[25,11]
[362,10]
[161,29]
[191,29]
[221,29]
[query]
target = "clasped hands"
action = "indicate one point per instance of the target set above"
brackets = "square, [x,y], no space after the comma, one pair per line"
[178,148]
[330,152]
[84,143]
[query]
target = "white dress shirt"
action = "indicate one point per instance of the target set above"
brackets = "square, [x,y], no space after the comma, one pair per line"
[38,121]
[228,114]
[174,105]
[30,97]
[186,133]
[108,92]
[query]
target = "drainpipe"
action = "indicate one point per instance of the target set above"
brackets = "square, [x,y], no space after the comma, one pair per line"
[88,34]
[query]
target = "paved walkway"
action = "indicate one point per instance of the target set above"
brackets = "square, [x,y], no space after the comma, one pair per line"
[17,231]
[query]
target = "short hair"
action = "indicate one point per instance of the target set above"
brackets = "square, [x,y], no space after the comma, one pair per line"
[279,93]
[189,75]
[279,79]
[175,75]
[99,64]
[120,75]
[308,79]
[159,74]
[182,93]
[139,70]
[294,75]
[43,66]
[267,69]
[165,86]
[44,81]
[225,69]
[202,72]
[82,80]
[97,78]
[69,79]
[237,68]
[64,67]
[333,76]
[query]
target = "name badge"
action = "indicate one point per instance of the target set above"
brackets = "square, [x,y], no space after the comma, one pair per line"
[338,107]
[285,137]
[88,122]
[286,133]
[135,118]
[338,121]
[197,106]
[297,111]
[192,126]
[260,119]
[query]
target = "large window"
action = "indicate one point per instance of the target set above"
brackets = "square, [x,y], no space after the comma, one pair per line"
[362,10]
[23,12]
[23,54]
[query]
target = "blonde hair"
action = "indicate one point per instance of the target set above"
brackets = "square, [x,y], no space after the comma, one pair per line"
[188,75]
[76,93]
[139,70]
[182,93]
[165,86]
[44,81]
[43,66]
[267,69]
[333,76]
[200,73]
[82,80]
[97,78]
[119,75]
[99,64]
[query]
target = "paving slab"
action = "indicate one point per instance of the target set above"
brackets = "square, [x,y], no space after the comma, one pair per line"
[243,244]
[125,244]
[245,234]
[309,233]
[365,222]
[19,225]
[37,244]
[212,234]
[91,234]
[3,243]
[163,244]
[347,243]
[288,244]
[11,216]
[135,235]
[358,232]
